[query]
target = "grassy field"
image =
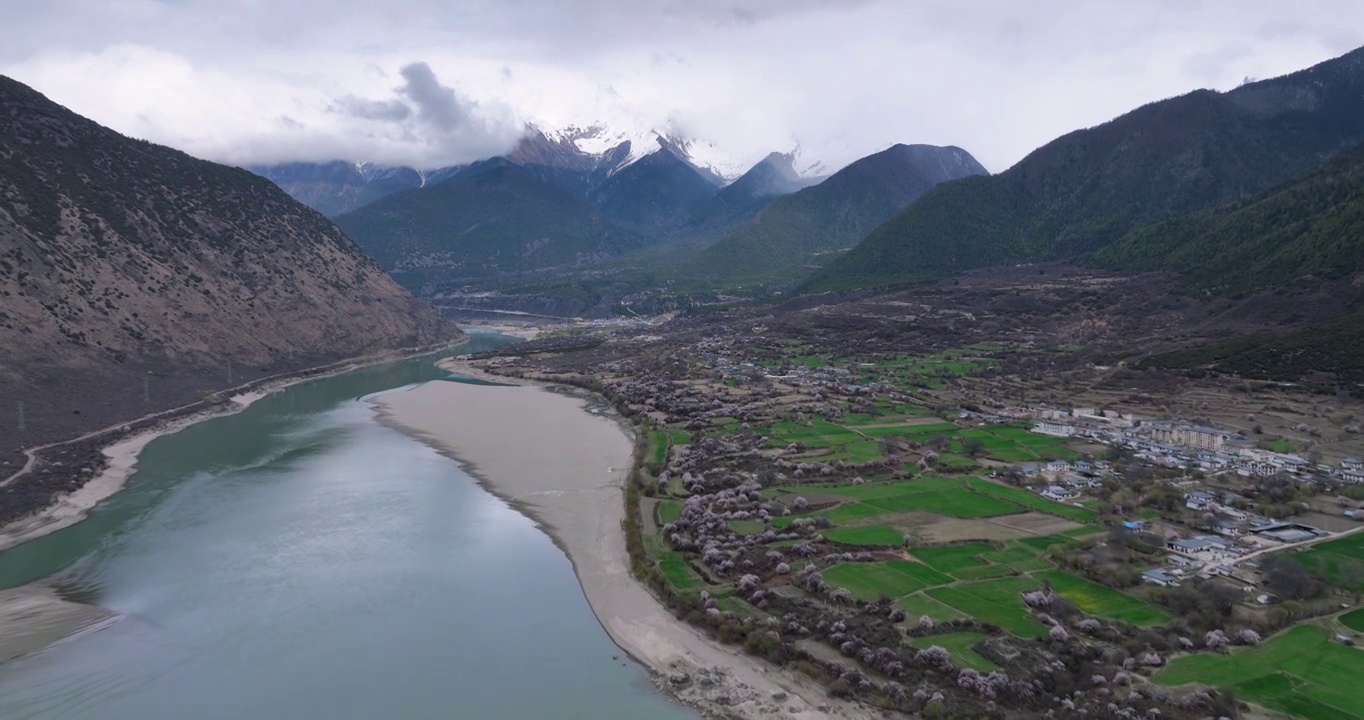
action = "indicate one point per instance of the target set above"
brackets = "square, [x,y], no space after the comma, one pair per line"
[1102,601]
[668,511]
[1046,541]
[977,560]
[994,601]
[895,578]
[747,527]
[1341,561]
[952,558]
[866,535]
[677,572]
[1353,620]
[960,644]
[1279,445]
[956,502]
[1032,501]
[950,496]
[1302,672]
[920,604]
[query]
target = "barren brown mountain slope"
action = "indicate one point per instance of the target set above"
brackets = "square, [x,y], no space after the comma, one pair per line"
[135,278]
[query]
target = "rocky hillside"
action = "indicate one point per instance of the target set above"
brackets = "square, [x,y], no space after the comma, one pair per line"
[800,230]
[136,278]
[1089,188]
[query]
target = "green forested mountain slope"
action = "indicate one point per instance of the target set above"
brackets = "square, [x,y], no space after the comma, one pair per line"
[655,195]
[493,219]
[1091,187]
[1307,230]
[802,228]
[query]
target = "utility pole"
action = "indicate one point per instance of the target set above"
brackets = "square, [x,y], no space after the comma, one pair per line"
[21,417]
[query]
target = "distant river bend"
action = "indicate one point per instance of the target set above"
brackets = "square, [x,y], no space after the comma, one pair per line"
[300,560]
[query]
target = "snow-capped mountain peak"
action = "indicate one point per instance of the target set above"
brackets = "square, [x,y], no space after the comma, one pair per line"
[600,140]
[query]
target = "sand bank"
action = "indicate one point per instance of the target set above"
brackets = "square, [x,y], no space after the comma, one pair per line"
[564,463]
[120,462]
[33,617]
[525,332]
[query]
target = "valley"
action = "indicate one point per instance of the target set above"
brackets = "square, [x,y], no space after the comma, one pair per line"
[900,436]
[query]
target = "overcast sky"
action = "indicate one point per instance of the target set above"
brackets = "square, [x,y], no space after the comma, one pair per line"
[437,82]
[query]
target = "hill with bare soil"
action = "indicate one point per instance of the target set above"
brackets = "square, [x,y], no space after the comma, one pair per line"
[136,278]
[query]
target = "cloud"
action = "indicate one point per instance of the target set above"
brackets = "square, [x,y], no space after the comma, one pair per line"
[373,109]
[429,82]
[437,105]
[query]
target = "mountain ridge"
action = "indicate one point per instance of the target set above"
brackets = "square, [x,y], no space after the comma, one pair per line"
[1308,230]
[1091,186]
[831,215]
[134,275]
[494,219]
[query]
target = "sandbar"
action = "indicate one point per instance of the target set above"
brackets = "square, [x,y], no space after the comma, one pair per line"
[34,616]
[560,458]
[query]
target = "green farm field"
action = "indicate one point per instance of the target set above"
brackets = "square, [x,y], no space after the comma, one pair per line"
[920,604]
[668,511]
[1102,601]
[870,535]
[994,601]
[1019,496]
[1302,671]
[1341,561]
[896,578]
[675,569]
[960,645]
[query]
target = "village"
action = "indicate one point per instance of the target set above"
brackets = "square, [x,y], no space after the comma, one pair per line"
[808,489]
[1222,529]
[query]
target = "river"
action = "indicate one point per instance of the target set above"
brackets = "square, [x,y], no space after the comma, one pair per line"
[300,560]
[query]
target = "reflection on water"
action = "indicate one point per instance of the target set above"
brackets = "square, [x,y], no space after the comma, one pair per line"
[300,560]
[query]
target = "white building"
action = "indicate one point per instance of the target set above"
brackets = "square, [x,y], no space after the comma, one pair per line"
[1051,427]
[1185,435]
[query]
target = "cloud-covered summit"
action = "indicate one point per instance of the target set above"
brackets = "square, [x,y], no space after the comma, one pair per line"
[428,82]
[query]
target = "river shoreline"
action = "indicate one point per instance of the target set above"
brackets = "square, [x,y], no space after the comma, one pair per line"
[119,455]
[565,465]
[33,616]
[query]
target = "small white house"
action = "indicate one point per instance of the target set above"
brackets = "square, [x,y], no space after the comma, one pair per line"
[1198,499]
[1058,493]
[1159,576]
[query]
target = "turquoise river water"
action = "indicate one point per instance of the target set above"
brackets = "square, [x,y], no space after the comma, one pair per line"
[299,560]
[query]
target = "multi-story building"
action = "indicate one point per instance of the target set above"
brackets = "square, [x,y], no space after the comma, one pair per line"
[1189,436]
